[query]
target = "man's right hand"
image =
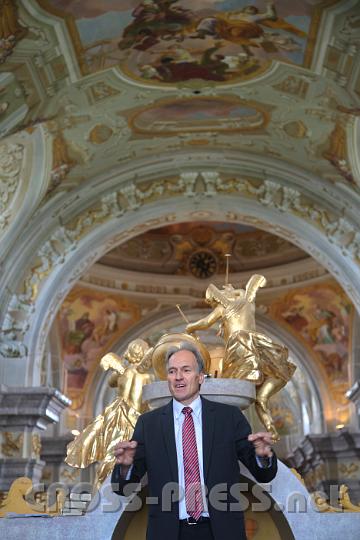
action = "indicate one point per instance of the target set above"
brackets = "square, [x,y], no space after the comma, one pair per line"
[124,454]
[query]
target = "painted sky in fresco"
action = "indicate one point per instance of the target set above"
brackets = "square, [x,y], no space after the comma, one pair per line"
[172,41]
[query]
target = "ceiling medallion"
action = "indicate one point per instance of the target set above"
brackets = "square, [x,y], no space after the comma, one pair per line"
[203,264]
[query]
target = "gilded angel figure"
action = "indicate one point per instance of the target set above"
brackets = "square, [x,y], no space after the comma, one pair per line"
[249,355]
[116,423]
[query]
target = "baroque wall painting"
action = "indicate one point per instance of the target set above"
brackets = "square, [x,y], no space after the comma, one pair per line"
[284,413]
[89,323]
[173,41]
[320,317]
[11,30]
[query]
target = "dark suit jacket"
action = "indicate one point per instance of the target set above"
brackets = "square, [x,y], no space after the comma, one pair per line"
[225,432]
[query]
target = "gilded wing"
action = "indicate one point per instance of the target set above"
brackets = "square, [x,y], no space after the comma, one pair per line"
[255,282]
[218,295]
[113,361]
[146,362]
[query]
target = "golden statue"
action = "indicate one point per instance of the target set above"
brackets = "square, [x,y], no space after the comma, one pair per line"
[98,440]
[16,503]
[345,502]
[249,355]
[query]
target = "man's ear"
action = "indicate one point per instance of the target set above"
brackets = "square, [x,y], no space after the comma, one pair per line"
[201,377]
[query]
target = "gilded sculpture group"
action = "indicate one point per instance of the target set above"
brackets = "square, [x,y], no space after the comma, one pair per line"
[248,355]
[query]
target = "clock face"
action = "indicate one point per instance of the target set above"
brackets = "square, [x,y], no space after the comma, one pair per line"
[203,264]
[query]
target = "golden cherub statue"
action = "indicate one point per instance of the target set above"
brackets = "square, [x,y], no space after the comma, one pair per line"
[249,355]
[98,440]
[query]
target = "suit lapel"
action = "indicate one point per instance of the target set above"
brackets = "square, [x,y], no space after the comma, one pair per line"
[168,430]
[208,426]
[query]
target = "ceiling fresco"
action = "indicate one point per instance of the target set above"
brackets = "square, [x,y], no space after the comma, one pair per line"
[199,249]
[225,113]
[86,74]
[171,41]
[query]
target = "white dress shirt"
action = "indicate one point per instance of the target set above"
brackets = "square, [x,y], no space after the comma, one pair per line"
[179,418]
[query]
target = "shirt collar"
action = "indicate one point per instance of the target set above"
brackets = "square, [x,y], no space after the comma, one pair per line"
[195,405]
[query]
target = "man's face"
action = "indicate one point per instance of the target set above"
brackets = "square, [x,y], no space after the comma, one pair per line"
[183,376]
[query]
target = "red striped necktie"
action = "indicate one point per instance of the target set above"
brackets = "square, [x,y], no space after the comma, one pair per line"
[193,497]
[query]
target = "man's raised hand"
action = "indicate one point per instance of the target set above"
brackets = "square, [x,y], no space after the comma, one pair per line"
[125,452]
[262,442]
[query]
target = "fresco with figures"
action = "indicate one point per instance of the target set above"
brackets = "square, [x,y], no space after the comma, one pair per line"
[320,316]
[171,41]
[89,323]
[284,412]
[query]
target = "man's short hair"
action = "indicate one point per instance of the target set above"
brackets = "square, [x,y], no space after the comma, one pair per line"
[187,347]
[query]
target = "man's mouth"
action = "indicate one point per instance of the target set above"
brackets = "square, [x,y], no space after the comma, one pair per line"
[179,385]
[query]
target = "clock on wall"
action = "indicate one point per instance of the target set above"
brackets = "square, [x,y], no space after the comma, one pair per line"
[203,264]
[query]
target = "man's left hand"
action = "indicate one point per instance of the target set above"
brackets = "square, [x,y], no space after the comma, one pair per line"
[262,442]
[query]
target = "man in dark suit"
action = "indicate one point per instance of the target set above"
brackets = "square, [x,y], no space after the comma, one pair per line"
[194,445]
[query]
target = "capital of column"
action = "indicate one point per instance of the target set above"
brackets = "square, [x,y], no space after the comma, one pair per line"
[30,407]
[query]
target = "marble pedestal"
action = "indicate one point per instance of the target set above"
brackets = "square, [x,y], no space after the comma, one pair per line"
[329,459]
[24,414]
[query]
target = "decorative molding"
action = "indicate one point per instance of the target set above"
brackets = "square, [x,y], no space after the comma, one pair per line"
[11,159]
[133,196]
[162,287]
[30,407]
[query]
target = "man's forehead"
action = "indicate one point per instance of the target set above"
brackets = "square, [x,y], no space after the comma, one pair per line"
[182,357]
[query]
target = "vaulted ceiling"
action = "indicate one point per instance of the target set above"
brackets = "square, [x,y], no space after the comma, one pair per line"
[111,82]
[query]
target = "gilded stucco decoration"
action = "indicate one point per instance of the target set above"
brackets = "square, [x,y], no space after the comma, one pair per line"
[36,444]
[18,500]
[344,502]
[12,443]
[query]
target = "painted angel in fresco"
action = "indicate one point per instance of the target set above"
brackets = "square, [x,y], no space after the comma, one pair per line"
[154,20]
[97,441]
[249,355]
[245,27]
[180,65]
